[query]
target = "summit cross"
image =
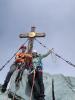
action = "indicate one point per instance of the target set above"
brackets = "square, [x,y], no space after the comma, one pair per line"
[31,36]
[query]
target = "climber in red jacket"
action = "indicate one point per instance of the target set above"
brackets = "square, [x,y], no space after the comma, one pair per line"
[22,59]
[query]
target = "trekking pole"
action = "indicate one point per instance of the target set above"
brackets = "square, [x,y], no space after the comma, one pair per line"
[32,86]
[12,57]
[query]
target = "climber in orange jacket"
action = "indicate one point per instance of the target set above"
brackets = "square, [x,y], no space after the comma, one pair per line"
[21,59]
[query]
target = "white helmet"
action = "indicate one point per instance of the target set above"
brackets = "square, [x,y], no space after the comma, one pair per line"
[34,51]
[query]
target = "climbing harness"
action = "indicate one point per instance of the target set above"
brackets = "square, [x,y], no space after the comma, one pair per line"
[12,57]
[68,62]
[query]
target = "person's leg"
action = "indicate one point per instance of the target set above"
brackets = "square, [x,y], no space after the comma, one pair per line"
[41,84]
[20,73]
[12,69]
[35,88]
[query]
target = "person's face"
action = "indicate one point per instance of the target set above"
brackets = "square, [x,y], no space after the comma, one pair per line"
[34,54]
[23,50]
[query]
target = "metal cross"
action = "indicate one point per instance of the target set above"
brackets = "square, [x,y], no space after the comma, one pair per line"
[31,36]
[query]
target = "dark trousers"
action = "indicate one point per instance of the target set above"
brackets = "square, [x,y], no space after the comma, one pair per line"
[9,74]
[11,71]
[20,73]
[39,80]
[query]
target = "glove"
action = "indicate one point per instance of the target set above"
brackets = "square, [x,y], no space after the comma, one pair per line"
[50,50]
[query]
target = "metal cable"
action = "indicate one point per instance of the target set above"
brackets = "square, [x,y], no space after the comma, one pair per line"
[68,62]
[68,84]
[12,57]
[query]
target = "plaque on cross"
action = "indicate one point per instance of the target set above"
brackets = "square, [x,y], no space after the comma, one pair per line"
[31,36]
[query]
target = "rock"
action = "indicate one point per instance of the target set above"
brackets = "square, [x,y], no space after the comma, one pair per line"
[64,87]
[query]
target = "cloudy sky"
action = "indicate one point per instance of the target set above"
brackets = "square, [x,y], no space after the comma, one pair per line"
[54,17]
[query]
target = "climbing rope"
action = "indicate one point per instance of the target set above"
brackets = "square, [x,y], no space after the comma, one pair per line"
[19,75]
[14,96]
[12,56]
[68,62]
[33,71]
[69,84]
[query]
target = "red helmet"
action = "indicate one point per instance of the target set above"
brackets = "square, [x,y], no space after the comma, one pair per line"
[23,47]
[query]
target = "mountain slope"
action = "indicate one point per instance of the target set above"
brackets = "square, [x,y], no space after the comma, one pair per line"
[64,87]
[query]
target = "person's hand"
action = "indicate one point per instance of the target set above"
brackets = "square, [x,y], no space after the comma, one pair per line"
[50,50]
[22,46]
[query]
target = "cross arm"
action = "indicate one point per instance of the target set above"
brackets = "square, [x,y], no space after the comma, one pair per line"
[40,35]
[24,35]
[32,34]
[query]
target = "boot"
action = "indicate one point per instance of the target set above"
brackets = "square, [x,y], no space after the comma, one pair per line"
[4,86]
[41,97]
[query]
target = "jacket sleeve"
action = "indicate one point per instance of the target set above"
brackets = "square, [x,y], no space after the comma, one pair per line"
[45,55]
[17,58]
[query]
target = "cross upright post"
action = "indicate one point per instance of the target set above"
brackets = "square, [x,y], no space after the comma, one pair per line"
[31,36]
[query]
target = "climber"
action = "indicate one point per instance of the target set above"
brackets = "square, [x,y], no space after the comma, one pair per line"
[20,60]
[28,65]
[37,64]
